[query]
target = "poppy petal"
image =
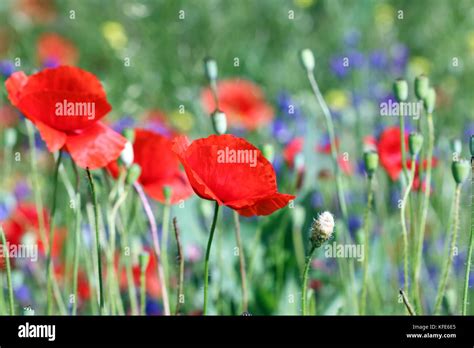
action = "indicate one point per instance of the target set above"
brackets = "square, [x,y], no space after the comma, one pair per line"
[264,206]
[96,146]
[53,138]
[14,85]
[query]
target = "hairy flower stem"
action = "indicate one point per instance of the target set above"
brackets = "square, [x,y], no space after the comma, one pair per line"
[164,241]
[304,287]
[180,295]
[77,248]
[465,297]
[424,215]
[156,246]
[143,291]
[50,277]
[404,225]
[449,258]
[339,184]
[208,252]
[97,239]
[243,274]
[407,304]
[365,281]
[6,255]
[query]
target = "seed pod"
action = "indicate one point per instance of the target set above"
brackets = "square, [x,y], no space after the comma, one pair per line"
[415,142]
[471,145]
[460,170]
[210,69]
[133,174]
[456,146]
[430,100]
[400,89]
[219,122]
[371,161]
[307,59]
[422,84]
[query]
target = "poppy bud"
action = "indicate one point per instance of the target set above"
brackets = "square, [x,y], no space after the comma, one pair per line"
[456,146]
[400,89]
[371,161]
[167,192]
[126,156]
[415,142]
[133,174]
[422,84]
[322,229]
[129,134]
[10,137]
[268,152]
[460,170]
[472,145]
[143,260]
[430,100]
[307,59]
[219,122]
[210,69]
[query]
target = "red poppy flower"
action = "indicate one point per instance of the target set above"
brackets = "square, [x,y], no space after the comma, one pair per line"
[40,11]
[83,286]
[25,219]
[417,183]
[345,165]
[66,104]
[53,48]
[389,149]
[155,175]
[291,149]
[325,145]
[232,172]
[242,101]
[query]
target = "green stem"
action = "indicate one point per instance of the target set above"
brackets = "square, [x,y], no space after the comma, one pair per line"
[404,225]
[365,278]
[304,287]
[49,264]
[97,238]
[181,267]
[143,292]
[77,248]
[469,250]
[9,272]
[243,275]
[164,243]
[424,215]
[208,252]
[449,259]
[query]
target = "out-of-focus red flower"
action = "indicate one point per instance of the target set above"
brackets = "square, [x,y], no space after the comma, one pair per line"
[155,175]
[25,219]
[291,149]
[83,286]
[8,116]
[389,150]
[345,165]
[232,172]
[325,146]
[53,49]
[242,101]
[417,183]
[39,11]
[153,286]
[66,104]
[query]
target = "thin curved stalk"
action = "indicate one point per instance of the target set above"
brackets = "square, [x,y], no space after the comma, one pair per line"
[304,287]
[6,254]
[243,275]
[465,298]
[208,252]
[365,266]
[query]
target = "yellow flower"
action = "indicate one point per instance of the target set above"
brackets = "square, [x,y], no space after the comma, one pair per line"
[384,15]
[337,99]
[115,34]
[419,65]
[304,3]
[182,121]
[470,41]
